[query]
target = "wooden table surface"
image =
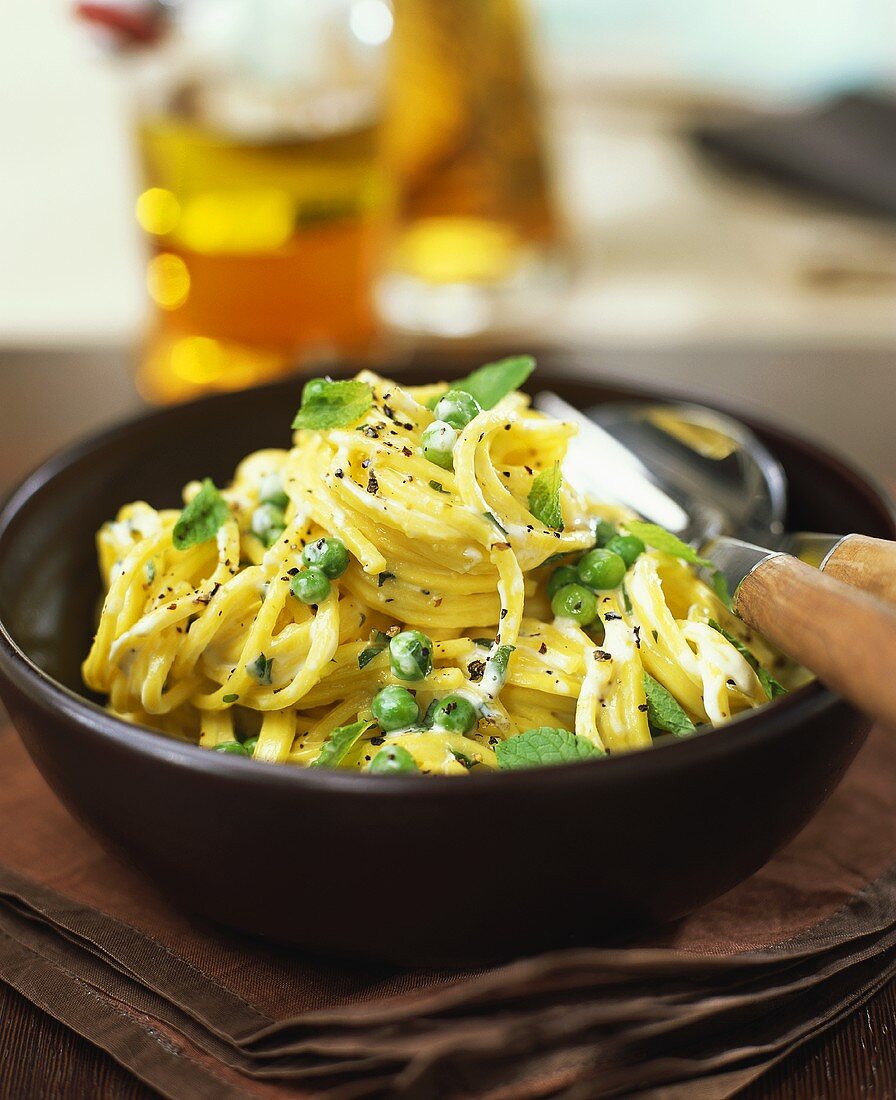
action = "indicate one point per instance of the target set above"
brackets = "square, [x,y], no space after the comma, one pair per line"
[48,398]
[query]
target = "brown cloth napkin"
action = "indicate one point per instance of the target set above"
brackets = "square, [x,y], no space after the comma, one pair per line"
[696,1012]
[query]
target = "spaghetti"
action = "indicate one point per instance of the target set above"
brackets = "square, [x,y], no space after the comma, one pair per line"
[413,587]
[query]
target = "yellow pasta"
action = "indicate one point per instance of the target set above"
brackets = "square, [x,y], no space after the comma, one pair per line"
[209,637]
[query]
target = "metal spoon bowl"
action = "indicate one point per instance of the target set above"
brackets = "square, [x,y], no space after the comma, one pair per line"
[691,469]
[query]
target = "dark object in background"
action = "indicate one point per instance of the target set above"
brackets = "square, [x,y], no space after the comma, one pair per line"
[845,149]
[579,853]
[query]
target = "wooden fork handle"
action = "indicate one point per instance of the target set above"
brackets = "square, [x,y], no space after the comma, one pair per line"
[846,637]
[866,563]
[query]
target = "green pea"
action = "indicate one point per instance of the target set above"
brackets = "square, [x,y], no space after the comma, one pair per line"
[603,532]
[410,654]
[249,745]
[573,601]
[270,491]
[455,714]
[329,555]
[394,708]
[457,408]
[628,547]
[311,585]
[601,568]
[437,443]
[563,575]
[392,760]
[231,746]
[268,523]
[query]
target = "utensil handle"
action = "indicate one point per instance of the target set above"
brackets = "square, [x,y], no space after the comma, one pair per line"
[846,637]
[866,563]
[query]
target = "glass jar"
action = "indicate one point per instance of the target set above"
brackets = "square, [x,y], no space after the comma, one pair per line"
[264,196]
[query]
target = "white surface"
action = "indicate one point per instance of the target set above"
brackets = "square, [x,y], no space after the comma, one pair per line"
[69,252]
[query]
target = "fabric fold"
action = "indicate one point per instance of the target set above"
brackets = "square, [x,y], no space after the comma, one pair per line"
[698,1012]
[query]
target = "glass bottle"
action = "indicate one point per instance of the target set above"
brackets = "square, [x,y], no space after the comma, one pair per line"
[264,198]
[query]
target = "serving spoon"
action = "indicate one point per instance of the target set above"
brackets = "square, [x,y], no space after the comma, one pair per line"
[846,636]
[715,464]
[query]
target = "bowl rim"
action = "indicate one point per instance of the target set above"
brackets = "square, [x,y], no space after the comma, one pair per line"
[762,724]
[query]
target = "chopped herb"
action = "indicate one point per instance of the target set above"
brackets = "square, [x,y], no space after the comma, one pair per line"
[492,519]
[495,672]
[201,518]
[327,404]
[770,685]
[383,577]
[428,718]
[367,655]
[475,670]
[661,539]
[663,710]
[260,669]
[720,587]
[437,485]
[378,642]
[544,746]
[150,571]
[544,497]
[338,744]
[486,642]
[490,383]
[229,698]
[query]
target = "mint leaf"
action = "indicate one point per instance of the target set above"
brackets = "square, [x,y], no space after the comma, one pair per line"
[544,497]
[260,669]
[661,539]
[490,383]
[663,710]
[338,744]
[544,746]
[201,518]
[327,404]
[770,685]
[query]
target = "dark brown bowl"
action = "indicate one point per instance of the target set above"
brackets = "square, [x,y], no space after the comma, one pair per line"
[408,869]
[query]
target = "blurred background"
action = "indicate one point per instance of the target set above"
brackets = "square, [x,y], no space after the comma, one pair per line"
[205,194]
